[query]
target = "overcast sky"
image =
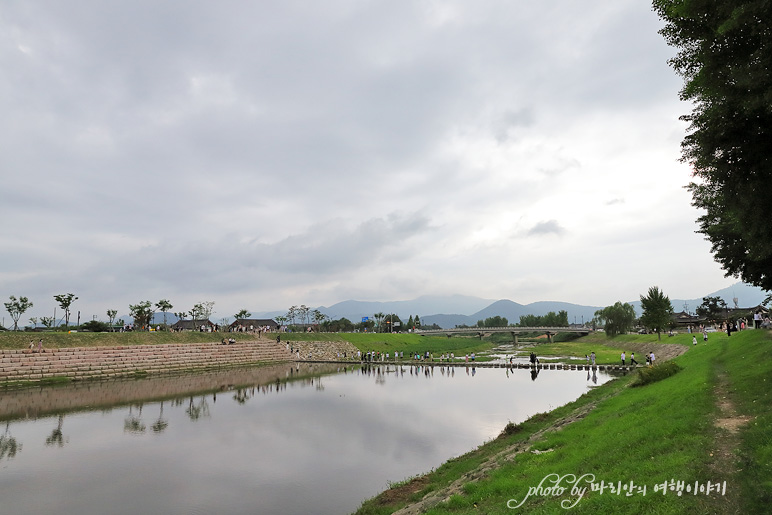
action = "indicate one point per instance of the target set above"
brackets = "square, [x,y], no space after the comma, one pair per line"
[262,154]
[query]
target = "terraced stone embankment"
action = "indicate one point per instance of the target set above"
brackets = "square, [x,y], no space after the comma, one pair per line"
[21,366]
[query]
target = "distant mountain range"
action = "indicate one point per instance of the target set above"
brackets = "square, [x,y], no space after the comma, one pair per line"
[452,310]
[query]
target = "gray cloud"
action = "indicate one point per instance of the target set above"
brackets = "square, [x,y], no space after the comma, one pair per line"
[257,151]
[512,122]
[548,227]
[223,264]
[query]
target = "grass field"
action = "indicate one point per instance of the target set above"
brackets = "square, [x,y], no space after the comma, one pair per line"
[20,340]
[607,350]
[708,422]
[387,342]
[407,343]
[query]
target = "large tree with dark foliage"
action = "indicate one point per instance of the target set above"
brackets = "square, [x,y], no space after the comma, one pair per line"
[657,311]
[725,58]
[142,313]
[713,309]
[551,319]
[616,319]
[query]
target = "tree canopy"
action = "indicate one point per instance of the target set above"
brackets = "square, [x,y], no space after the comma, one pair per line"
[242,314]
[198,312]
[392,322]
[657,311]
[496,321]
[712,308]
[95,326]
[378,320]
[16,308]
[142,313]
[337,326]
[616,319]
[164,305]
[551,319]
[111,314]
[65,300]
[725,58]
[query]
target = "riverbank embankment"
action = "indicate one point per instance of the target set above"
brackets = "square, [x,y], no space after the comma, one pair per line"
[21,366]
[697,441]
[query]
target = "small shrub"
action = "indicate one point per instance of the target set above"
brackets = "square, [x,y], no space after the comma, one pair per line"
[396,484]
[656,373]
[510,429]
[540,417]
[95,326]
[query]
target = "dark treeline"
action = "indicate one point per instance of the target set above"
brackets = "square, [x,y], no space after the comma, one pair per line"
[551,319]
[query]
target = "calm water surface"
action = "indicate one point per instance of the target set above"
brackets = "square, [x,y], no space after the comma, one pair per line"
[319,444]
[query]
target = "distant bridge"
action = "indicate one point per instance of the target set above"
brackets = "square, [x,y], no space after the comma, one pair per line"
[514,331]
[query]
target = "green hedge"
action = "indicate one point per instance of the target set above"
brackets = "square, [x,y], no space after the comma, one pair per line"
[656,373]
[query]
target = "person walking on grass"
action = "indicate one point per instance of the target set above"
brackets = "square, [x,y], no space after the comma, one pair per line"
[632,359]
[623,358]
[694,340]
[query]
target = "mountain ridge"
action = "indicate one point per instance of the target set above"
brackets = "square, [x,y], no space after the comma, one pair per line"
[448,311]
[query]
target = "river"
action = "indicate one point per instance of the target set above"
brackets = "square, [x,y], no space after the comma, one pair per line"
[284,439]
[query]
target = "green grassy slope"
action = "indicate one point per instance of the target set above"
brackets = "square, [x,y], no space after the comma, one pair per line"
[399,342]
[648,435]
[20,340]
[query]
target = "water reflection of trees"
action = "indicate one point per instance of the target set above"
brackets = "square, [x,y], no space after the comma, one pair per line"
[9,447]
[198,410]
[160,425]
[56,437]
[133,423]
[242,395]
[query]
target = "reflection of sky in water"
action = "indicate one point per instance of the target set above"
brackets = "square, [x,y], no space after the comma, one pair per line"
[308,448]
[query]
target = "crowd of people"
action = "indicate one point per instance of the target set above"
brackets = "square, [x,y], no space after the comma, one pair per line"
[375,356]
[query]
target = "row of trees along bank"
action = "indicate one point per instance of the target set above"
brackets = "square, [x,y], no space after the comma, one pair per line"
[551,319]
[142,314]
[303,318]
[657,314]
